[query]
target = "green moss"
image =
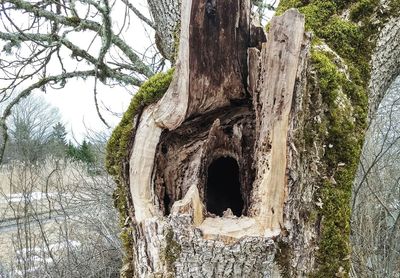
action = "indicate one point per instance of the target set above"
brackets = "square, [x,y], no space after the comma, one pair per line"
[120,202]
[172,251]
[318,14]
[127,243]
[394,7]
[285,5]
[345,105]
[362,9]
[343,36]
[353,38]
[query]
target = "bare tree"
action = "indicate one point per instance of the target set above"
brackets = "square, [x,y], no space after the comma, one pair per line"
[31,127]
[376,195]
[57,217]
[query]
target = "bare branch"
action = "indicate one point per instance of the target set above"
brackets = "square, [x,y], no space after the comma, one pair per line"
[139,14]
[84,24]
[97,105]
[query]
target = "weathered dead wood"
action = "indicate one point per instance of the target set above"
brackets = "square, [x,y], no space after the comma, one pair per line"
[205,82]
[184,154]
[279,66]
[214,108]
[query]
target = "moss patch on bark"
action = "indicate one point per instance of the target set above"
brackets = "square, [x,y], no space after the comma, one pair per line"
[344,36]
[342,132]
[172,251]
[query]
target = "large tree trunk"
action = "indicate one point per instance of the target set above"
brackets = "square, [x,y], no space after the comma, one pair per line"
[244,167]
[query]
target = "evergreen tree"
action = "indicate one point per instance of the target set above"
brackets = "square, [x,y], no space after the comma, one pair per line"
[83,152]
[58,141]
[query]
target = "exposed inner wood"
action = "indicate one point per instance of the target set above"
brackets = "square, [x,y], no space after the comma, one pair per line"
[142,164]
[185,154]
[247,120]
[217,46]
[279,65]
[214,110]
[211,68]
[171,109]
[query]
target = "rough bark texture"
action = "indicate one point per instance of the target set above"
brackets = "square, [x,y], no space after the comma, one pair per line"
[166,16]
[385,62]
[291,114]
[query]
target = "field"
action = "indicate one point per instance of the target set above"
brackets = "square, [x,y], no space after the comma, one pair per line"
[57,220]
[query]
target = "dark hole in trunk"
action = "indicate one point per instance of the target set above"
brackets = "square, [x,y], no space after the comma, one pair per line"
[223,187]
[167,203]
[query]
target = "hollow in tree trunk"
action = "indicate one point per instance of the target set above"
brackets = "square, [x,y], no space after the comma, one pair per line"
[244,167]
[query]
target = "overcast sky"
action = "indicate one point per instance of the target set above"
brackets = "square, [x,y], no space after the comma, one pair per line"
[76,105]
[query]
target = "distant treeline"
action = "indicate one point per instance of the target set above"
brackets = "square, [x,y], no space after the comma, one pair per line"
[36,133]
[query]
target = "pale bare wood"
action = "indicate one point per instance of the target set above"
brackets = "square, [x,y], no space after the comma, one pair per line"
[279,66]
[171,110]
[141,165]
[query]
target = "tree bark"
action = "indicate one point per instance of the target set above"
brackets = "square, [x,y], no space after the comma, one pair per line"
[265,104]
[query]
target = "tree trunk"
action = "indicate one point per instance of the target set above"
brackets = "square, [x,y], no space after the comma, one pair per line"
[244,167]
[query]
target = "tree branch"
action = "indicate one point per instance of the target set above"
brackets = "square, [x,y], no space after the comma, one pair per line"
[84,24]
[138,14]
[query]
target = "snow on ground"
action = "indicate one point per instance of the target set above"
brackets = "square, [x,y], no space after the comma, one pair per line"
[38,196]
[32,196]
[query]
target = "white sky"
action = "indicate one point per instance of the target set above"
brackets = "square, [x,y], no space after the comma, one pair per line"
[77,108]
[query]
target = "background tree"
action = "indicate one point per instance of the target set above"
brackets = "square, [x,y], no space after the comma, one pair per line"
[56,214]
[31,129]
[376,198]
[58,140]
[35,47]
[84,152]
